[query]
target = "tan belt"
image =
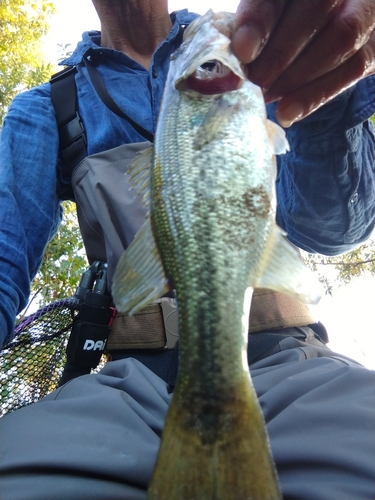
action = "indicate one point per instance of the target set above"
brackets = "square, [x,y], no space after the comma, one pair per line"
[156,326]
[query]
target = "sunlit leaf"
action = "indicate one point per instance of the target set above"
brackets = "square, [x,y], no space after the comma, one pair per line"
[22,25]
[340,270]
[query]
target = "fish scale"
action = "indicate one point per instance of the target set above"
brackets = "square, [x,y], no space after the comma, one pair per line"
[212,236]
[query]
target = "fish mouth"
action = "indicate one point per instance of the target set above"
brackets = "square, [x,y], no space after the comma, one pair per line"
[211,77]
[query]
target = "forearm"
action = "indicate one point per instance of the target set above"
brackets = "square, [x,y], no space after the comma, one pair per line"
[326,184]
[30,211]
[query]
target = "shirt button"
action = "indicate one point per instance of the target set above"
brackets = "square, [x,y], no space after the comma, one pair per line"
[354,198]
[154,74]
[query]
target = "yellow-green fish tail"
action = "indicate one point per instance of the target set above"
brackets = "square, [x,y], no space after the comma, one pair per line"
[232,462]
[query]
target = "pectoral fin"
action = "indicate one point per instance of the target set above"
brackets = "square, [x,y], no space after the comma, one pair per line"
[139,277]
[283,270]
[140,175]
[277,137]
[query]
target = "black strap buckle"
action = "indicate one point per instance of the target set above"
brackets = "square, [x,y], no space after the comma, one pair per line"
[91,325]
[72,132]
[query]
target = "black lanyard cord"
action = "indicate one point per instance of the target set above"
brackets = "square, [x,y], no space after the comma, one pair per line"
[107,99]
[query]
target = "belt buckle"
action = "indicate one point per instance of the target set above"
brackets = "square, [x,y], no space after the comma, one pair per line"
[170,320]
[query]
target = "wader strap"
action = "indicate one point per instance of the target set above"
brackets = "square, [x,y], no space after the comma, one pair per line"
[155,327]
[72,136]
[273,310]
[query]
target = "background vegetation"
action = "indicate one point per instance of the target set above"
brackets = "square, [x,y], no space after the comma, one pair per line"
[22,24]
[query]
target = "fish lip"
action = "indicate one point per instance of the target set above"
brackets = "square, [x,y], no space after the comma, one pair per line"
[178,84]
[210,85]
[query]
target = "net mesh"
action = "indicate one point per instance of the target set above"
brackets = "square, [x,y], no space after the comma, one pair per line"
[31,365]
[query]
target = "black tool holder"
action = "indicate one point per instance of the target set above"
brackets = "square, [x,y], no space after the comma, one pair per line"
[91,325]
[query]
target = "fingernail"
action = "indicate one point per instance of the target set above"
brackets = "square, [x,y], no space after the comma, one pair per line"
[289,114]
[246,43]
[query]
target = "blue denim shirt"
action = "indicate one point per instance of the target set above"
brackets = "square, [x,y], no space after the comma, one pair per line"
[325,186]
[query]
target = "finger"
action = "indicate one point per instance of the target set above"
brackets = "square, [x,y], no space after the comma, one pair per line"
[341,38]
[255,20]
[307,99]
[300,22]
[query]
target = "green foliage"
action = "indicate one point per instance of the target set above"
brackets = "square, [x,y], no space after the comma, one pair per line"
[63,263]
[65,51]
[22,25]
[342,269]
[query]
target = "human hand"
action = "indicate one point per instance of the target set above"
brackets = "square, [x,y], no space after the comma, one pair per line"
[305,52]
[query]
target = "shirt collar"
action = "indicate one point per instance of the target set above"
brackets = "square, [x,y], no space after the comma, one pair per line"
[91,39]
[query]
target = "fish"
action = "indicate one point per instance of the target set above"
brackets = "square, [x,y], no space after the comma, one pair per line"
[208,184]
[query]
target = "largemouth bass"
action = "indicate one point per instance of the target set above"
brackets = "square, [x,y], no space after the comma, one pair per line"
[211,235]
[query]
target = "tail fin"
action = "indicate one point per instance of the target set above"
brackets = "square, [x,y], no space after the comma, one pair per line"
[235,466]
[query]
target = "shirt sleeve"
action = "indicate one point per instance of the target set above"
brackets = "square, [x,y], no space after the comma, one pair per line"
[30,210]
[326,183]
